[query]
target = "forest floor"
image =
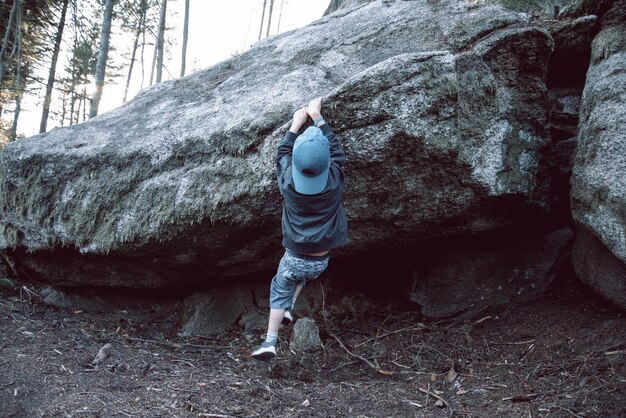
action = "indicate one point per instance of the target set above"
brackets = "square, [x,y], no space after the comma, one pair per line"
[561,355]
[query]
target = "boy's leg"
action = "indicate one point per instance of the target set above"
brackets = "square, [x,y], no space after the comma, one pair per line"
[288,315]
[281,295]
[276,317]
[295,296]
[284,290]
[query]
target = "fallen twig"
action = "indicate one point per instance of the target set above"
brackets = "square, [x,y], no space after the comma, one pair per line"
[30,292]
[434,395]
[343,365]
[523,398]
[483,319]
[418,326]
[514,343]
[174,345]
[342,345]
[363,359]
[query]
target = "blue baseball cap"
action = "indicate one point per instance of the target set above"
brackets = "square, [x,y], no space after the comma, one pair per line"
[311,161]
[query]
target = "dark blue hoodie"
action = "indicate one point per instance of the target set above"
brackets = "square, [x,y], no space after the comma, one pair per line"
[312,223]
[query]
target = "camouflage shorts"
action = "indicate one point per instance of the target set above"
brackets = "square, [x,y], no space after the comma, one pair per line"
[293,270]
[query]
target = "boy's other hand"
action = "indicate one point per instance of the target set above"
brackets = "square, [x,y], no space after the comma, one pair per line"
[314,108]
[299,118]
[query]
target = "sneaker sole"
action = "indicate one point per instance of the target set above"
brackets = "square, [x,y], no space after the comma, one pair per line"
[286,321]
[268,355]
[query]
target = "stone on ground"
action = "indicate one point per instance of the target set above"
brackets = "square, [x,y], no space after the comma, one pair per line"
[305,335]
[214,311]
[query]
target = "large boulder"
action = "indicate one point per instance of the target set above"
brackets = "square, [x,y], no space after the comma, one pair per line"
[599,172]
[335,5]
[441,107]
[503,271]
[546,7]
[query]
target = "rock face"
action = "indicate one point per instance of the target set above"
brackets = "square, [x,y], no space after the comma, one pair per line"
[440,105]
[466,280]
[343,4]
[213,311]
[598,267]
[599,172]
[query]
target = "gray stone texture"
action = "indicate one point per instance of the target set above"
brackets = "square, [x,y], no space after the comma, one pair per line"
[599,267]
[598,195]
[551,8]
[440,105]
[84,302]
[502,272]
[305,335]
[212,312]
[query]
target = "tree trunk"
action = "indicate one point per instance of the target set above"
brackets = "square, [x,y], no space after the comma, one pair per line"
[280,15]
[73,95]
[143,49]
[16,116]
[5,41]
[185,38]
[78,105]
[63,108]
[161,41]
[84,104]
[103,54]
[72,103]
[142,16]
[262,19]
[269,19]
[153,64]
[51,75]
[18,72]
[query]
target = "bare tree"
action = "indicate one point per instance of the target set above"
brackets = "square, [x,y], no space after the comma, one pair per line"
[140,28]
[143,50]
[5,41]
[269,19]
[17,82]
[53,66]
[103,54]
[280,15]
[185,38]
[262,19]
[160,41]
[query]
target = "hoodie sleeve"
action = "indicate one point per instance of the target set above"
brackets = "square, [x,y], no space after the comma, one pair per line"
[337,155]
[283,154]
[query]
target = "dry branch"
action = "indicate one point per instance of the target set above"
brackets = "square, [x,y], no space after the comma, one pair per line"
[434,395]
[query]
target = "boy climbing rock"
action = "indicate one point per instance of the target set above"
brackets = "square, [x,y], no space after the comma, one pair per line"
[310,178]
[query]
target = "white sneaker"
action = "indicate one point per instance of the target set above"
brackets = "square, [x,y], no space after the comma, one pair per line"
[265,351]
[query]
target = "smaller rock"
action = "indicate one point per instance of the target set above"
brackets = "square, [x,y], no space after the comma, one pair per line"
[213,311]
[84,302]
[597,266]
[103,354]
[253,322]
[305,335]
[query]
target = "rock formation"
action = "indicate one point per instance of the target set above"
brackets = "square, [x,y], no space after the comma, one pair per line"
[451,113]
[599,172]
[178,185]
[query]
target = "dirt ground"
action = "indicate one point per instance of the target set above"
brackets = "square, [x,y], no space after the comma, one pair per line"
[562,355]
